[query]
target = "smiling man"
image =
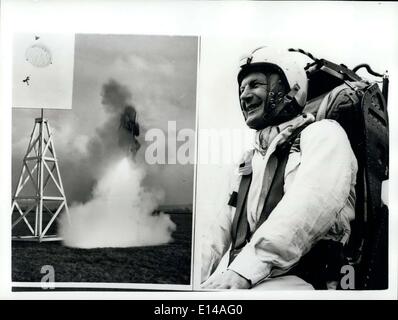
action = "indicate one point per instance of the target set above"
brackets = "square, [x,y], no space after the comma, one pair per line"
[289,212]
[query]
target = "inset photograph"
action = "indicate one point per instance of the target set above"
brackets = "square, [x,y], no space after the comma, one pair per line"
[103,142]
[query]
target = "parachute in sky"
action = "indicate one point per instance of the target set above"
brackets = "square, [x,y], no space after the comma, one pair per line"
[38,55]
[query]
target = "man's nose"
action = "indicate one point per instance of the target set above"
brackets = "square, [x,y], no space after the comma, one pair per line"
[246,94]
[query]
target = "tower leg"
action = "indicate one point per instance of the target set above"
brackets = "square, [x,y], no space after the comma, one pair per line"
[40,179]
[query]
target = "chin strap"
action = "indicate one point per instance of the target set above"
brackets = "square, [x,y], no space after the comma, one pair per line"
[285,108]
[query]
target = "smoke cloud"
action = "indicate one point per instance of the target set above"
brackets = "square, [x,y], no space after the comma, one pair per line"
[120,214]
[112,140]
[120,209]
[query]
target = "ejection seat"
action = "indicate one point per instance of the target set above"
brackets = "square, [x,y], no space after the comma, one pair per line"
[365,119]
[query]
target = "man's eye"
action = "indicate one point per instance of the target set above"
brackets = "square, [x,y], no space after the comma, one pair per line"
[258,84]
[252,85]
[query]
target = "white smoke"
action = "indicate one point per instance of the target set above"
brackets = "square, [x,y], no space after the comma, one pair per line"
[120,213]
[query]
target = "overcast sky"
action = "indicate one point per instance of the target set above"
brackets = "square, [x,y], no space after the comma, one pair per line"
[160,74]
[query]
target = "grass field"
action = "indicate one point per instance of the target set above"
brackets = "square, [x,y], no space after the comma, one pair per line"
[165,264]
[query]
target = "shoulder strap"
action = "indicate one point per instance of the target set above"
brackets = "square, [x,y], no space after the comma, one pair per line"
[240,231]
[275,193]
[237,233]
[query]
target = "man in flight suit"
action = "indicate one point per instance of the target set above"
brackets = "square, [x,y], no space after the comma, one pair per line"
[294,192]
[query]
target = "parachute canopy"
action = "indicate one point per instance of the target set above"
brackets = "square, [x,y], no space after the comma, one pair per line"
[38,55]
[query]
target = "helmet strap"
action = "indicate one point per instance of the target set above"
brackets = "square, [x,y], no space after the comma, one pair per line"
[284,110]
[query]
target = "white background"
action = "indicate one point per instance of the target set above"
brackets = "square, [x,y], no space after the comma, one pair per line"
[349,33]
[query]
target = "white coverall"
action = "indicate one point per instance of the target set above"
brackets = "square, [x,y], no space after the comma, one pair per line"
[318,203]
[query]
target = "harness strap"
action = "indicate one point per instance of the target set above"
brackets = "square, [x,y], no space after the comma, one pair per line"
[276,189]
[240,231]
[240,228]
[240,225]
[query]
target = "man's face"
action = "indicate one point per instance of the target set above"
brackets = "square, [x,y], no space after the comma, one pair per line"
[254,91]
[253,97]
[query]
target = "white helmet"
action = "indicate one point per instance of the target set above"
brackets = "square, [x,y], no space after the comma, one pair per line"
[288,64]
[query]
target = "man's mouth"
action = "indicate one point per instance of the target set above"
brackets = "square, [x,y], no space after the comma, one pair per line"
[252,107]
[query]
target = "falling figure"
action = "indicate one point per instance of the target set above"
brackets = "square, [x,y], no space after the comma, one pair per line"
[26,80]
[130,129]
